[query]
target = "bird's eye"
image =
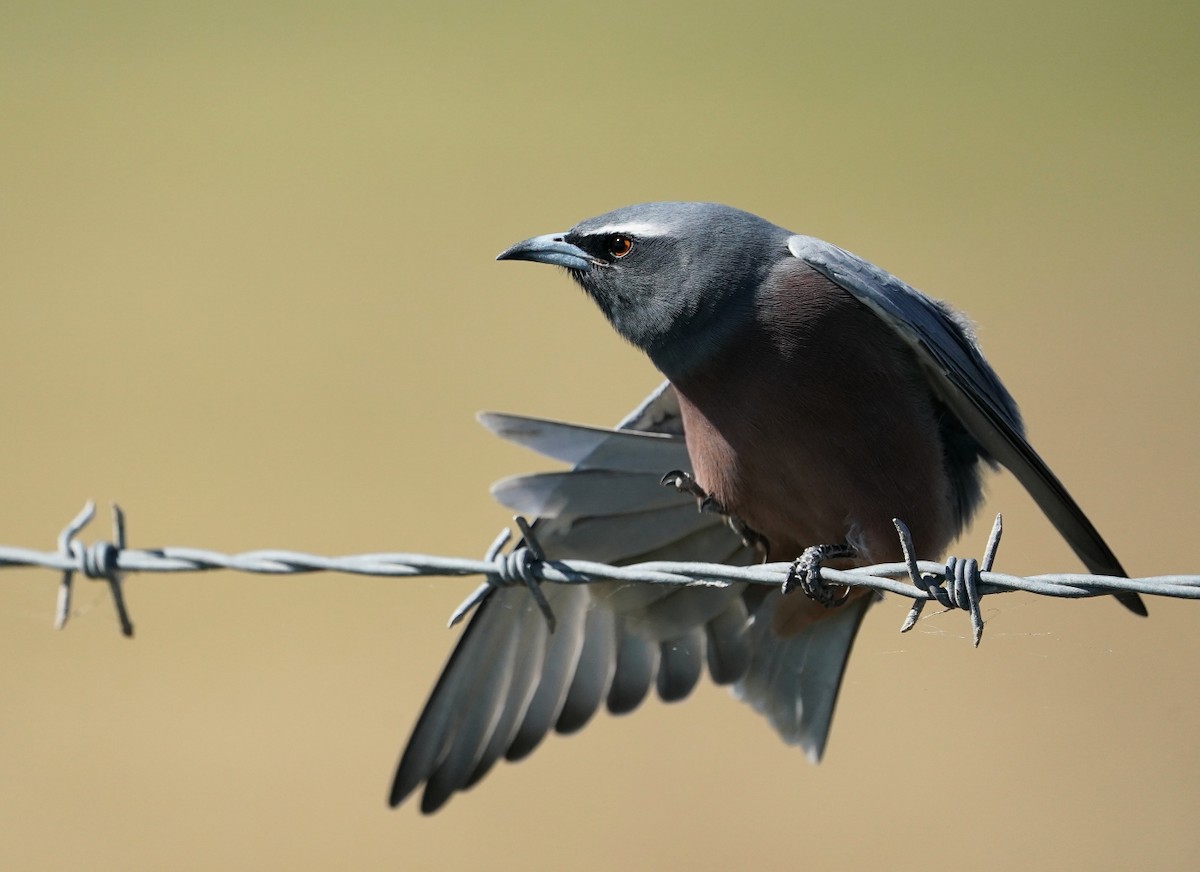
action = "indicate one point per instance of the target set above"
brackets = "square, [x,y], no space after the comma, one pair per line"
[619,245]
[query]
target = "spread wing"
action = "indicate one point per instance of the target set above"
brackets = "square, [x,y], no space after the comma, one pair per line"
[945,345]
[510,681]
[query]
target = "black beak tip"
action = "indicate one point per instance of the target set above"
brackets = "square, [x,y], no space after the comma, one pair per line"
[511,253]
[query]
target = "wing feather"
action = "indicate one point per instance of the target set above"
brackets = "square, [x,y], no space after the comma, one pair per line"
[945,344]
[509,682]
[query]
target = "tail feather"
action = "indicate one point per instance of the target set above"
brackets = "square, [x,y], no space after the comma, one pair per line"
[794,680]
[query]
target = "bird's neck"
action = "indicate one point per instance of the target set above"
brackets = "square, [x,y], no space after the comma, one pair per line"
[689,344]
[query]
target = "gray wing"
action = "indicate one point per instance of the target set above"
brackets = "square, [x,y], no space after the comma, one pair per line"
[946,346]
[510,681]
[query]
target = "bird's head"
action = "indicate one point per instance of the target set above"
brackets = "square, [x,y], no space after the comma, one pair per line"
[675,279]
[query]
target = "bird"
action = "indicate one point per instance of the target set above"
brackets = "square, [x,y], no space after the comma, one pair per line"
[810,398]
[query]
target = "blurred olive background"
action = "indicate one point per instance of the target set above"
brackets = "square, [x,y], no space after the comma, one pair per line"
[247,291]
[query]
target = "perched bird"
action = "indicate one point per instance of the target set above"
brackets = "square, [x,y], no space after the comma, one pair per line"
[811,397]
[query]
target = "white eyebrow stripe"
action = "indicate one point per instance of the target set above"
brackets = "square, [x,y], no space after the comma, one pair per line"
[641,229]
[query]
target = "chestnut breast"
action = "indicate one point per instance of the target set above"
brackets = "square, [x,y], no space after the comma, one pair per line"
[814,425]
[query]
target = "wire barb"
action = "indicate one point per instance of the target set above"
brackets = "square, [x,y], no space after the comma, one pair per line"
[98,561]
[962,579]
[522,565]
[527,568]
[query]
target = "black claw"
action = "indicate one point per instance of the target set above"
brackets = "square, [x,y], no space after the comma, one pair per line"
[673,478]
[684,483]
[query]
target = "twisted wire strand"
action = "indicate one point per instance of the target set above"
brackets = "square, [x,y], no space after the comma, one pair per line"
[958,583]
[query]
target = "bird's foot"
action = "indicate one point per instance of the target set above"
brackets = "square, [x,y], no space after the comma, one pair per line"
[805,573]
[750,537]
[685,483]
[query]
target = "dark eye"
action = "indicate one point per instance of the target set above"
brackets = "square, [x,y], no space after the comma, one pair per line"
[619,245]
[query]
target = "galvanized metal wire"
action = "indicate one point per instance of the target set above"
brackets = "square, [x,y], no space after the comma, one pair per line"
[955,584]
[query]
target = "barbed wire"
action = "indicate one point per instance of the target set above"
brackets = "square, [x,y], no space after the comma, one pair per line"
[956,584]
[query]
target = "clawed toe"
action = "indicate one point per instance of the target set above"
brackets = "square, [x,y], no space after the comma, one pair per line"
[805,573]
[685,483]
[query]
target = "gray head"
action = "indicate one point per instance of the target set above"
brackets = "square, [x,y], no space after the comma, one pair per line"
[675,279]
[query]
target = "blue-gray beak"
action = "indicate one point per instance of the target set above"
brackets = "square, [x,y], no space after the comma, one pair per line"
[552,249]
